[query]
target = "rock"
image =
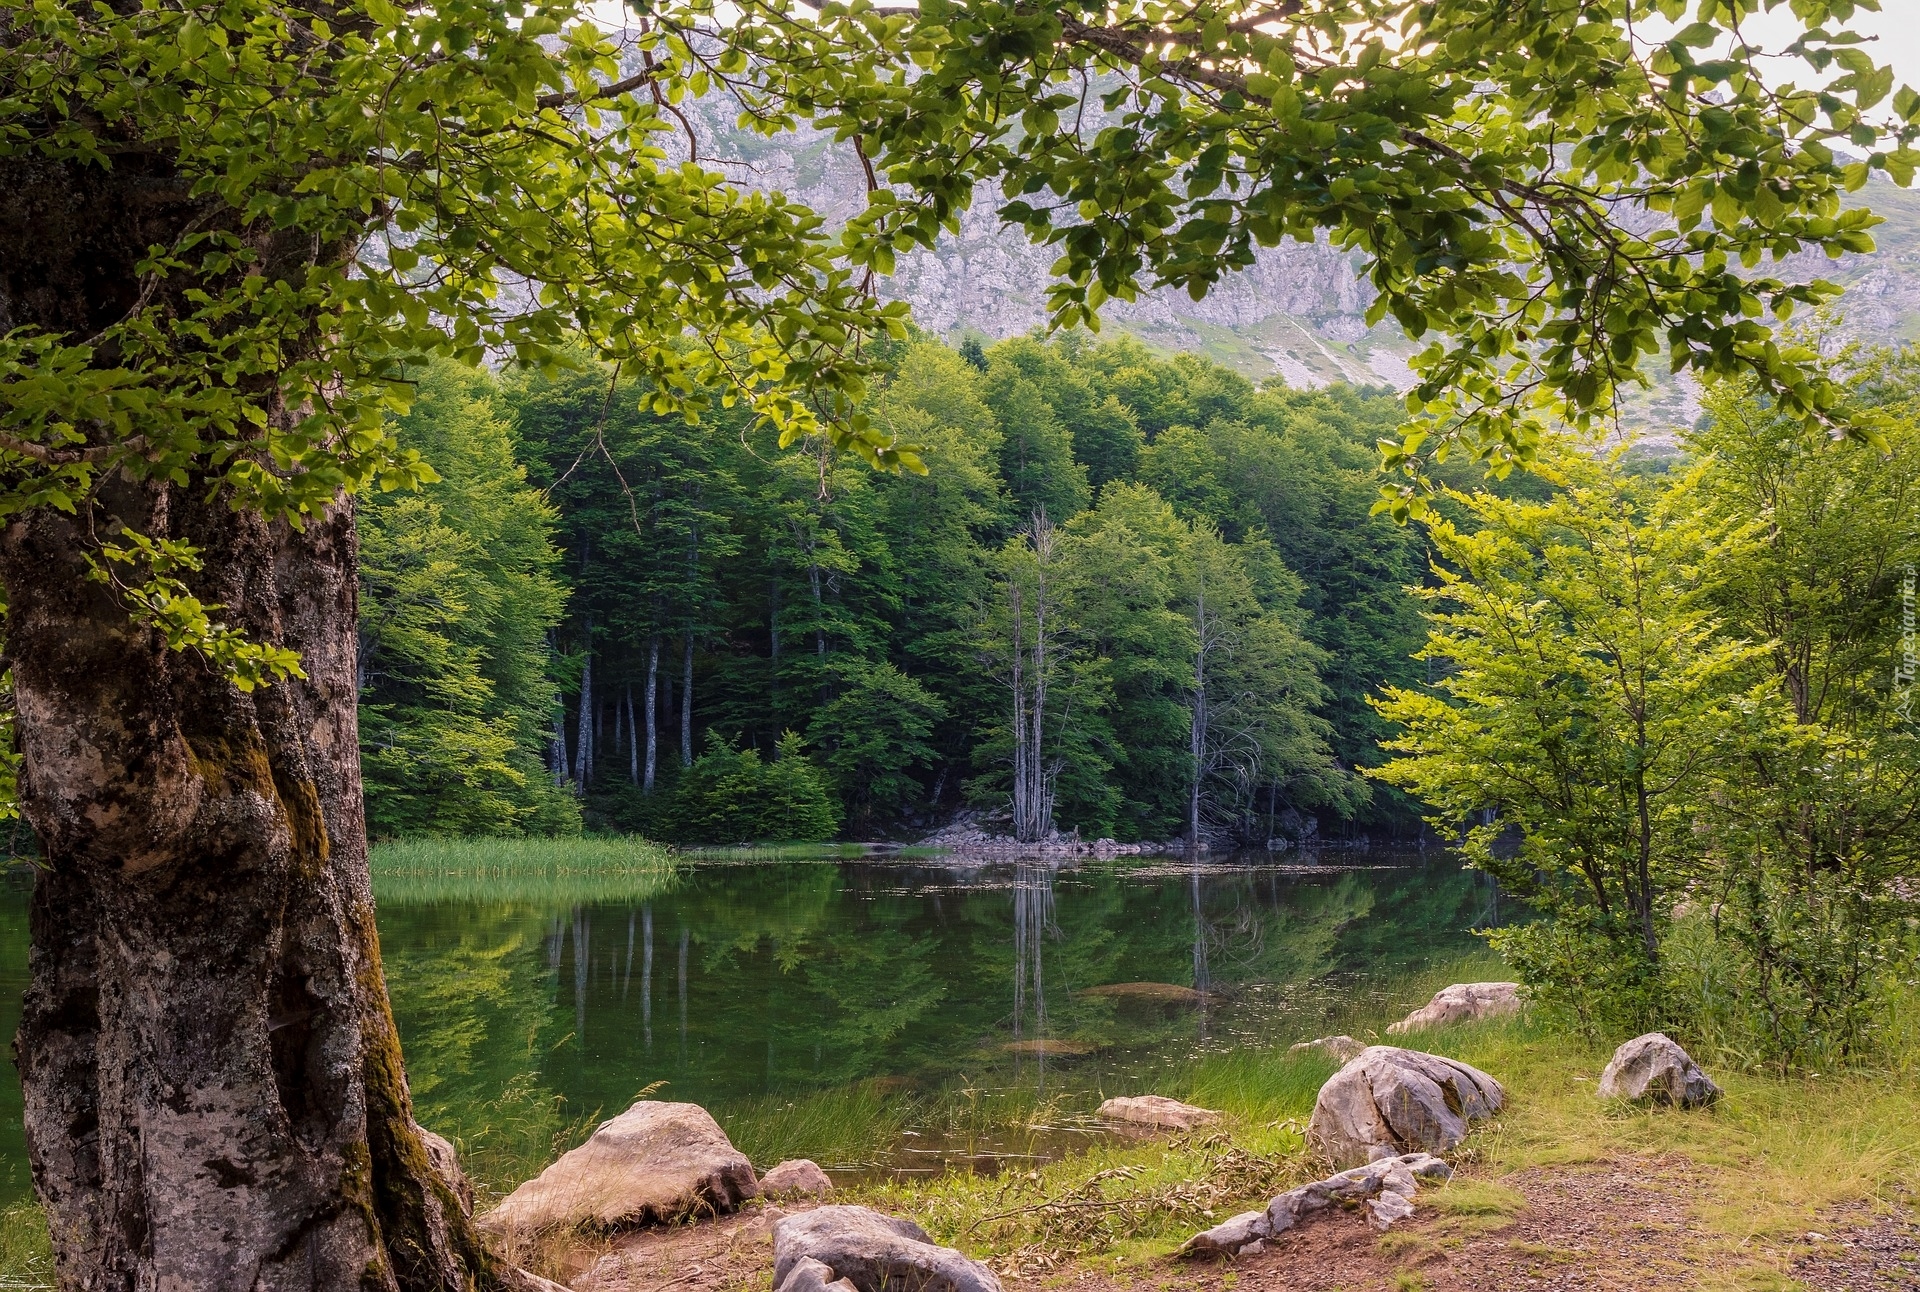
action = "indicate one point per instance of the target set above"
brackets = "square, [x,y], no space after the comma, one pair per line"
[1343,1049]
[872,1252]
[1157,1111]
[1654,1069]
[809,1275]
[1385,1188]
[1160,993]
[799,1178]
[1404,1099]
[1464,1002]
[654,1163]
[446,1164]
[531,1282]
[1051,1046]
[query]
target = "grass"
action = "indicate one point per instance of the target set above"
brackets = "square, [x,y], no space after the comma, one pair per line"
[1777,1152]
[26,1257]
[550,871]
[1773,1156]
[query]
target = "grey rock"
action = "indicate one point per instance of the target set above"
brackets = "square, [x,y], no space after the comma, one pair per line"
[1654,1069]
[809,1275]
[1385,1188]
[1463,1002]
[873,1252]
[654,1163]
[1343,1049]
[446,1164]
[799,1178]
[1404,1099]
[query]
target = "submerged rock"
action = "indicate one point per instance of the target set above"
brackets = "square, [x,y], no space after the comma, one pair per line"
[1343,1049]
[1463,1002]
[1384,1187]
[1654,1069]
[799,1178]
[446,1165]
[1401,1100]
[654,1163]
[1156,1111]
[1162,993]
[1052,1046]
[870,1251]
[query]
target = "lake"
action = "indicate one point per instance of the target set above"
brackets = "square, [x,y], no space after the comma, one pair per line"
[882,1015]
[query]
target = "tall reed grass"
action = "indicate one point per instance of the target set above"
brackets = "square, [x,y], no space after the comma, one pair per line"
[546,871]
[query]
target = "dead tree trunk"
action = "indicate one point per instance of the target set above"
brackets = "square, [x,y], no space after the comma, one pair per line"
[214,1094]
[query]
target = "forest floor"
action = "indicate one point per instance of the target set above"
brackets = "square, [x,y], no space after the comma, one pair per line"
[1618,1226]
[1789,1185]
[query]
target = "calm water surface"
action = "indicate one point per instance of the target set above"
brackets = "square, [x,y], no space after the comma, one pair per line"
[867,1010]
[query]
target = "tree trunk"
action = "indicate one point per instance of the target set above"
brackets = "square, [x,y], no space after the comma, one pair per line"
[214,1091]
[686,701]
[633,743]
[214,1095]
[653,693]
[583,756]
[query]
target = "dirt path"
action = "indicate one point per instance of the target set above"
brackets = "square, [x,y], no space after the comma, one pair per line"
[1619,1226]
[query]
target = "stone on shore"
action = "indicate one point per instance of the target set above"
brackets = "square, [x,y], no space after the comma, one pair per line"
[1401,1100]
[653,1164]
[446,1165]
[1654,1069]
[1156,1111]
[871,1251]
[799,1178]
[1463,1002]
[809,1275]
[1385,1188]
[1342,1049]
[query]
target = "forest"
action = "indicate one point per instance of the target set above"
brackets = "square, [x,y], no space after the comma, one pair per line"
[1131,596]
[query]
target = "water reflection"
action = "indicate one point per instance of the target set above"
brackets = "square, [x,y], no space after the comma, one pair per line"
[798,984]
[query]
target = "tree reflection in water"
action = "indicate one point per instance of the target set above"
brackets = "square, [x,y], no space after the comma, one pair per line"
[857,990]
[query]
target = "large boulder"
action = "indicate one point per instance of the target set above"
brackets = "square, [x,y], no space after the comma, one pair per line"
[654,1163]
[1654,1069]
[871,1251]
[800,1178]
[1156,1112]
[1401,1101]
[1384,1187]
[1464,1002]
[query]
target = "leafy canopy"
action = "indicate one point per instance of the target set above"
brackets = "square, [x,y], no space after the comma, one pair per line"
[344,189]
[1553,190]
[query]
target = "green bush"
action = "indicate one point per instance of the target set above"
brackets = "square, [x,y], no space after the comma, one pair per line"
[732,795]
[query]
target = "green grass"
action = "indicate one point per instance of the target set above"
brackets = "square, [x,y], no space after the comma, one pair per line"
[548,871]
[26,1258]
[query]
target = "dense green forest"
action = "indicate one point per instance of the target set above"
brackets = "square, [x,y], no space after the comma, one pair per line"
[1131,596]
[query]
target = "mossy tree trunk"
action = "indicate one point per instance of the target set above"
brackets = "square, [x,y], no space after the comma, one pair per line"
[214,1091]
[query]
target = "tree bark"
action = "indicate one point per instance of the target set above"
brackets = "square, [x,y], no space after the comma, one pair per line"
[583,755]
[653,692]
[214,1093]
[686,700]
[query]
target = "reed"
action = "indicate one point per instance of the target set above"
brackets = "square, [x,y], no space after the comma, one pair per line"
[542,871]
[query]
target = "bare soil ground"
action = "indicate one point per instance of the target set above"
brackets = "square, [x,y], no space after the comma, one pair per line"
[1619,1226]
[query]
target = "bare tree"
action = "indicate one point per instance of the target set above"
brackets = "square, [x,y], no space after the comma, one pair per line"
[1034,627]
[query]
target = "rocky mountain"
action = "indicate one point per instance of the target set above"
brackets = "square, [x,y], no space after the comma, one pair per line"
[1298,314]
